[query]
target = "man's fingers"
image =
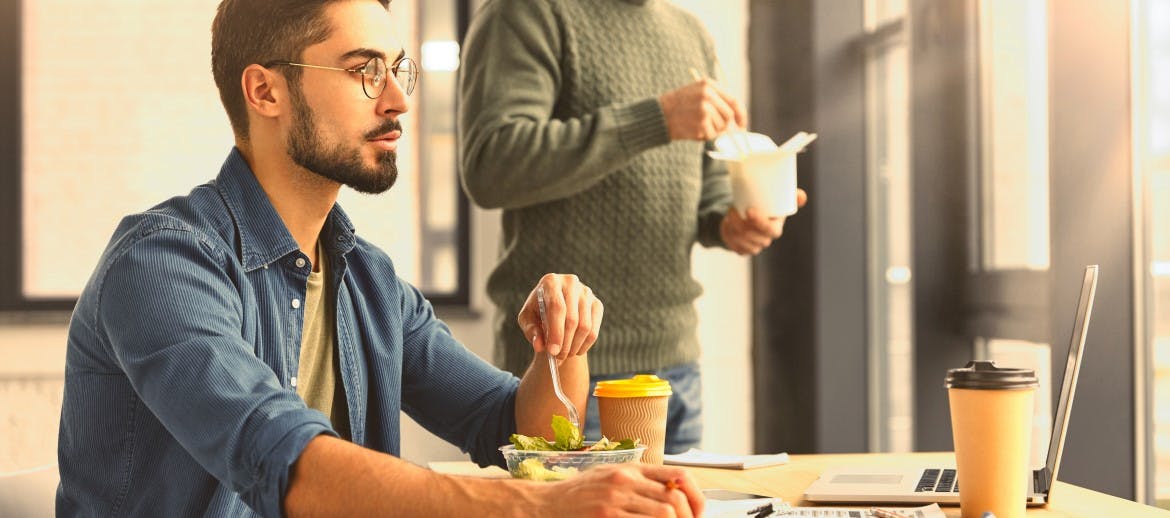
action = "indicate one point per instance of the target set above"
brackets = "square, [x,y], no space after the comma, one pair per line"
[757,219]
[735,110]
[757,222]
[747,246]
[776,227]
[740,114]
[758,240]
[584,323]
[693,495]
[530,324]
[570,294]
[536,336]
[639,505]
[598,310]
[679,502]
[554,314]
[571,318]
[676,483]
[667,500]
[709,130]
[720,101]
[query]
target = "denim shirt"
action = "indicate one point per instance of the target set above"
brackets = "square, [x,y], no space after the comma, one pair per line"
[180,372]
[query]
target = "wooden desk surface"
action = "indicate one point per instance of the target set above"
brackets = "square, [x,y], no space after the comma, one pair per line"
[788,481]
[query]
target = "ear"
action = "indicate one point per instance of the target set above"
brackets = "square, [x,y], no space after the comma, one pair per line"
[265,92]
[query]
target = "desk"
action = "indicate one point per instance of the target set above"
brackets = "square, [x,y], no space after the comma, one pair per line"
[788,481]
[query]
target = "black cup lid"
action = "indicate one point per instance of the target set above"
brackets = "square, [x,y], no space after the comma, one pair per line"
[985,375]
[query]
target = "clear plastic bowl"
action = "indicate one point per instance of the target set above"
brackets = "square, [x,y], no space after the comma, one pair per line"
[559,465]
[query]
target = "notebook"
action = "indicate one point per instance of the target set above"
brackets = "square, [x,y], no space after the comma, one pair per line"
[873,484]
[705,459]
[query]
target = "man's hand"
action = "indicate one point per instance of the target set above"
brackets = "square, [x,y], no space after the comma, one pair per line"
[700,111]
[626,490]
[751,234]
[573,313]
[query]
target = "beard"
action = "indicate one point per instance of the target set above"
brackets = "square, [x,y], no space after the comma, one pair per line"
[338,163]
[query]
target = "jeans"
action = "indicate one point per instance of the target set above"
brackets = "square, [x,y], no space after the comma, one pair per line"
[684,414]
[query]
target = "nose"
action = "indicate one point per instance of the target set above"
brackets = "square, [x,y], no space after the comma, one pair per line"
[393,99]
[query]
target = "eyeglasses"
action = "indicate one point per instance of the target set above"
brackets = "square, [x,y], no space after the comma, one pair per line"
[373,72]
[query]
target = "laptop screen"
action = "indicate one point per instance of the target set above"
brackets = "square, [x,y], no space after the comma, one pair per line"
[1071,370]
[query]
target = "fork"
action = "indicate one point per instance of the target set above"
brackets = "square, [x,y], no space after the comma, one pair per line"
[552,361]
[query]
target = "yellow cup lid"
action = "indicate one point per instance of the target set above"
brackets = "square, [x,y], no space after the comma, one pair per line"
[642,385]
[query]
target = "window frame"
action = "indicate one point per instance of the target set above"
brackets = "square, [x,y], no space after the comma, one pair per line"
[12,294]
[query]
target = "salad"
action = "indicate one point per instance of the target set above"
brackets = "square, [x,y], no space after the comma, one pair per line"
[555,466]
[568,438]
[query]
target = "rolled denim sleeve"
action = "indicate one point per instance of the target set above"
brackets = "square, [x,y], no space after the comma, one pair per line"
[172,311]
[449,390]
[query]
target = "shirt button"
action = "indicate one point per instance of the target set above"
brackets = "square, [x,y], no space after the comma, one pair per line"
[300,262]
[296,303]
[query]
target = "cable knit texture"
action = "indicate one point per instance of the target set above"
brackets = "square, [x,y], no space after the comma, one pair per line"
[561,127]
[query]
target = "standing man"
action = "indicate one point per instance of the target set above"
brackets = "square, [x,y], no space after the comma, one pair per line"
[241,351]
[574,122]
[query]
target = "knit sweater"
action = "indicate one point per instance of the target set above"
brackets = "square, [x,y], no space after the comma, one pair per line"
[560,126]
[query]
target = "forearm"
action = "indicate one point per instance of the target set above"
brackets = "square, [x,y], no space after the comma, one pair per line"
[334,477]
[535,401]
[512,159]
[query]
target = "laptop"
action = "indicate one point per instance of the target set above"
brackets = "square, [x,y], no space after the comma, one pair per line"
[926,484]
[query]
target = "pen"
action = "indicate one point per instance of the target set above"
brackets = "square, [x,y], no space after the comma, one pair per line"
[885,513]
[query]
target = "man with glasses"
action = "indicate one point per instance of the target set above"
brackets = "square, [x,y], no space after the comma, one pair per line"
[585,122]
[240,351]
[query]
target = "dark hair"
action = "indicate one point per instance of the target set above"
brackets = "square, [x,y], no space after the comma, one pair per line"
[257,31]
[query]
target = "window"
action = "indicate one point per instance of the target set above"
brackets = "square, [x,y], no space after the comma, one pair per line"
[891,246]
[1012,225]
[1151,114]
[113,110]
[1013,132]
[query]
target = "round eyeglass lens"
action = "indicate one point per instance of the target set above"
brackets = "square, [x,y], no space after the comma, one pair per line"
[374,78]
[406,74]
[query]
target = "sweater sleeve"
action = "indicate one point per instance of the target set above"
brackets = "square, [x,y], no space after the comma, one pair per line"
[513,153]
[715,200]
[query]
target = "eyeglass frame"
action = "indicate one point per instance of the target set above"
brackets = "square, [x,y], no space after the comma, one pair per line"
[392,71]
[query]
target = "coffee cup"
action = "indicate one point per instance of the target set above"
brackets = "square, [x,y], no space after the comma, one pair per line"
[635,408]
[991,423]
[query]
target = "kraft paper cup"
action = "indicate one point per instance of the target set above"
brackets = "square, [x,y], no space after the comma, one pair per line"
[635,408]
[991,423]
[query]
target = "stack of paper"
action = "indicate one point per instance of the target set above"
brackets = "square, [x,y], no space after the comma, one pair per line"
[695,457]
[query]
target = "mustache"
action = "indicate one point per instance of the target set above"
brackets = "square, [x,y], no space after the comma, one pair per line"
[383,129]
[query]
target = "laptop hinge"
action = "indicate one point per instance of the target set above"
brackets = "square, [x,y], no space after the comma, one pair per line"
[1040,480]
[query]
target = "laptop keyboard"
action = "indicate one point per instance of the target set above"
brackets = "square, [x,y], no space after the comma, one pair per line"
[938,481]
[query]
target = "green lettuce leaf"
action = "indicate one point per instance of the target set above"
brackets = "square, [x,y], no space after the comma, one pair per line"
[626,444]
[607,445]
[524,442]
[568,437]
[532,469]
